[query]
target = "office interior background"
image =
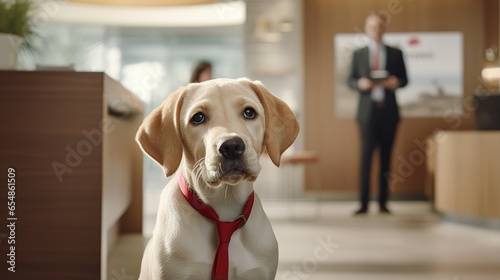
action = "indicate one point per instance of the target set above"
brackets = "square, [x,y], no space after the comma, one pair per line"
[445,192]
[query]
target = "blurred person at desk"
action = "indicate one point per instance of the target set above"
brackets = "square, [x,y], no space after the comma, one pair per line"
[377,70]
[202,72]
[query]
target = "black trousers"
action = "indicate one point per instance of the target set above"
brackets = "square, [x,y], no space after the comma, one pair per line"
[379,131]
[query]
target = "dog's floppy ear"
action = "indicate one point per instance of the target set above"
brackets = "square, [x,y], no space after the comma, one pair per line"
[159,135]
[281,124]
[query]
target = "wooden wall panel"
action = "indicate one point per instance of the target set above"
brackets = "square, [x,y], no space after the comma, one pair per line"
[491,23]
[337,140]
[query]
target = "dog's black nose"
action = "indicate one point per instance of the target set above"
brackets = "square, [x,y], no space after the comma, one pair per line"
[232,148]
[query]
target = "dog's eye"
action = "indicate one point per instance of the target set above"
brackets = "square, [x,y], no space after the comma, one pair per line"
[198,118]
[249,113]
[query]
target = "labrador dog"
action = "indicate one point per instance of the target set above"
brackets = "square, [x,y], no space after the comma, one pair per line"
[211,135]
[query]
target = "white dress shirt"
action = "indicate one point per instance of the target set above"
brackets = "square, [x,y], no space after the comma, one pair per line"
[378,91]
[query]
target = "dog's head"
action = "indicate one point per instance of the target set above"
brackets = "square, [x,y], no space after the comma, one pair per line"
[220,127]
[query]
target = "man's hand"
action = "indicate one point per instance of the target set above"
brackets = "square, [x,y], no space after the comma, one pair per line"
[391,83]
[365,84]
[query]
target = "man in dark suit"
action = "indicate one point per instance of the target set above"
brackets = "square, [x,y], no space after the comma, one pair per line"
[378,113]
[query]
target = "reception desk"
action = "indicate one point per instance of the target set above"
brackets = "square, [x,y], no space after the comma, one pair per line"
[68,137]
[467,172]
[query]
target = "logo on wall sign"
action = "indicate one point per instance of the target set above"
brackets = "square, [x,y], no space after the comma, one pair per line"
[414,41]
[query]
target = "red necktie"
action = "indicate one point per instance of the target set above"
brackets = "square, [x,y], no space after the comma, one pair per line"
[376,58]
[225,229]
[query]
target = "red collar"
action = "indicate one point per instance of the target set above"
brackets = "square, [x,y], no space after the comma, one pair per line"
[224,229]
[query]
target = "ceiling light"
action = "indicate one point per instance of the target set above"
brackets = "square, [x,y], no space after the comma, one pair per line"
[144,2]
[208,15]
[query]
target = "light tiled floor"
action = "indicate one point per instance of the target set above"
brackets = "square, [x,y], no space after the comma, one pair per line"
[327,242]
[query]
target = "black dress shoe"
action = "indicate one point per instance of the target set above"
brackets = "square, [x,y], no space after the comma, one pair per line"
[361,211]
[384,210]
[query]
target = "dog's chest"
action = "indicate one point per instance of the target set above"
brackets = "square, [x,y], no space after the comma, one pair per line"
[197,254]
[252,252]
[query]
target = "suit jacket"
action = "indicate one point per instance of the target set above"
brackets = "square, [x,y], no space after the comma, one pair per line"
[360,67]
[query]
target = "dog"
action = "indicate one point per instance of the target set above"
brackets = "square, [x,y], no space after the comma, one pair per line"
[211,136]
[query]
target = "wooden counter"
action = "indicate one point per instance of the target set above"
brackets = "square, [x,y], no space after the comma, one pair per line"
[78,171]
[467,173]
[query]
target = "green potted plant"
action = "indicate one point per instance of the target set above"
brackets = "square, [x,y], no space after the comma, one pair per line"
[16,30]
